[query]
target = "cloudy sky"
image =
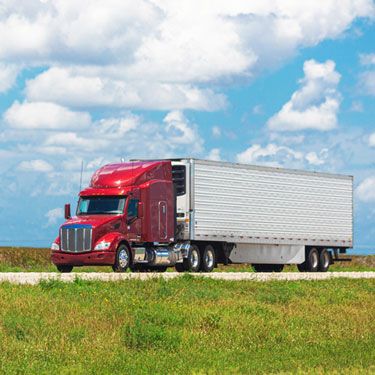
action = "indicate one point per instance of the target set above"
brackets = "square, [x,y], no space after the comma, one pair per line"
[285,83]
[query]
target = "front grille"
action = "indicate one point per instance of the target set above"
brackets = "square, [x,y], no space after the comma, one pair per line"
[76,238]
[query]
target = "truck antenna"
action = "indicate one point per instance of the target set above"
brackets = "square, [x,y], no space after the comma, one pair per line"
[80,180]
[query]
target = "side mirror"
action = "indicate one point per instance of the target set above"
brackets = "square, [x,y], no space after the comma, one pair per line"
[140,210]
[67,211]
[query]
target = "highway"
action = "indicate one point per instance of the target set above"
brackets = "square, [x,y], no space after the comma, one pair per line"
[33,278]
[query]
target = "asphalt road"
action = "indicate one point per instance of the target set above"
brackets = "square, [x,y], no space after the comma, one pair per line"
[35,277]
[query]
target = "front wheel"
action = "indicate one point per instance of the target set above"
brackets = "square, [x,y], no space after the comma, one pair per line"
[64,268]
[122,261]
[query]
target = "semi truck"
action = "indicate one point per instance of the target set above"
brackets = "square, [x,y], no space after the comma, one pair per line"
[148,215]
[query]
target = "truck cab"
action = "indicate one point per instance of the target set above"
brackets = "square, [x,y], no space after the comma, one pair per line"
[127,208]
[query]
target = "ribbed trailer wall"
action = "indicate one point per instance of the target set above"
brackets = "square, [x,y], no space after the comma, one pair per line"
[262,205]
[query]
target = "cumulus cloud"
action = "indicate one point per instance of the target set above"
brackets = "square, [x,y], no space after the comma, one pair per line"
[271,154]
[371,140]
[282,156]
[317,159]
[54,215]
[43,115]
[214,154]
[315,104]
[366,190]
[367,58]
[89,89]
[8,75]
[181,132]
[367,82]
[36,165]
[160,54]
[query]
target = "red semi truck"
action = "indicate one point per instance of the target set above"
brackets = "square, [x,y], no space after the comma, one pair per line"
[193,214]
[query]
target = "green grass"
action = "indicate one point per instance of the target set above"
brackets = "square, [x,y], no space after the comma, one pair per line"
[188,326]
[19,259]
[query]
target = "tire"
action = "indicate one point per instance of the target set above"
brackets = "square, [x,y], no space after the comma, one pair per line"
[324,260]
[64,268]
[268,267]
[123,258]
[311,263]
[192,262]
[208,260]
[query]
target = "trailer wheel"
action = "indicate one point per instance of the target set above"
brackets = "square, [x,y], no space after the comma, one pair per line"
[208,259]
[311,264]
[268,267]
[324,260]
[122,259]
[64,268]
[192,262]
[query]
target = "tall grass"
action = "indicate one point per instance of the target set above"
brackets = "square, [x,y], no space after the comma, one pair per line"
[188,326]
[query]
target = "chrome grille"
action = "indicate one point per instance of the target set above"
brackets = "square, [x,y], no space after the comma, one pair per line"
[76,238]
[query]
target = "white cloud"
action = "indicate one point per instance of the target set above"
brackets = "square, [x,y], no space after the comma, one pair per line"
[216,131]
[54,215]
[315,104]
[214,154]
[367,82]
[314,159]
[366,190]
[356,106]
[36,165]
[160,54]
[271,154]
[88,89]
[371,140]
[43,115]
[181,132]
[8,75]
[367,58]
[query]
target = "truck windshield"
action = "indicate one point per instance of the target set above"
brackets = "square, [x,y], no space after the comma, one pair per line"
[101,205]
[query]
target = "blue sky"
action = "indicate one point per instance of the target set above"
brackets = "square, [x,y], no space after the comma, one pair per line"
[282,83]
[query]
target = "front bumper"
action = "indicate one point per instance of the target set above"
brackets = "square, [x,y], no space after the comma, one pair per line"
[98,258]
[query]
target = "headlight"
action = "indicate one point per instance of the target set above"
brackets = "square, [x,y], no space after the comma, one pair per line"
[102,245]
[55,247]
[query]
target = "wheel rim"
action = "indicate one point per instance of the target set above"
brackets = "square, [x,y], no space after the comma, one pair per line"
[194,258]
[209,258]
[325,260]
[123,258]
[314,259]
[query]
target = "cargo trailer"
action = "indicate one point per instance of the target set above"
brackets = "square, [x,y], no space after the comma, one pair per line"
[194,214]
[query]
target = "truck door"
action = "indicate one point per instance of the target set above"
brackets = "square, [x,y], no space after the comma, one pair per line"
[163,220]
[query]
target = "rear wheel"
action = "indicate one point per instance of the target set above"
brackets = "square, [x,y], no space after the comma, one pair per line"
[324,260]
[268,267]
[311,262]
[64,268]
[122,261]
[208,259]
[192,262]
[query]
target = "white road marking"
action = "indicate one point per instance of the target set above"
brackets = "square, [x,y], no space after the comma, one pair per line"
[35,277]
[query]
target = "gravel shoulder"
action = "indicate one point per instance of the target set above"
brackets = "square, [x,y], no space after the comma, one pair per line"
[35,277]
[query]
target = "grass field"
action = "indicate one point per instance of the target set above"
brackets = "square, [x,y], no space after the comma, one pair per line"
[13,259]
[188,326]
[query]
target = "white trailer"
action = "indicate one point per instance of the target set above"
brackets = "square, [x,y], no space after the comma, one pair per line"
[263,215]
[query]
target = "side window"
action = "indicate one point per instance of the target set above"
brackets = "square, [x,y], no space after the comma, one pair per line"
[133,208]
